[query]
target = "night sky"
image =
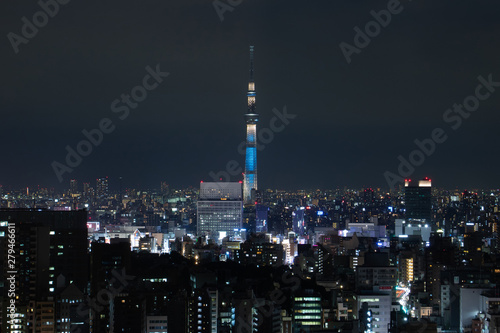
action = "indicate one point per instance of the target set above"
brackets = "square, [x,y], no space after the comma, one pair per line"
[352,120]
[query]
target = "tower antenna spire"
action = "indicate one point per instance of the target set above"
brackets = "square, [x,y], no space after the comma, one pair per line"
[251,63]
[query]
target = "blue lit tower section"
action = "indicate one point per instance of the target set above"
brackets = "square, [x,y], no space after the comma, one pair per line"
[251,117]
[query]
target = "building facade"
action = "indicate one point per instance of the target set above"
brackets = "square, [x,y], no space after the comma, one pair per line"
[220,209]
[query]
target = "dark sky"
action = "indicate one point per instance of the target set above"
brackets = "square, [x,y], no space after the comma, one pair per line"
[353,120]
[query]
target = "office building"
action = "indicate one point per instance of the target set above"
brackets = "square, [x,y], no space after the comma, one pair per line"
[307,311]
[298,221]
[376,274]
[259,254]
[102,187]
[156,324]
[261,215]
[73,187]
[220,209]
[375,312]
[418,200]
[50,253]
[404,229]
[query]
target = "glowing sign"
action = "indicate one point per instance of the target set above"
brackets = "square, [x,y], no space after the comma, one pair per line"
[94,226]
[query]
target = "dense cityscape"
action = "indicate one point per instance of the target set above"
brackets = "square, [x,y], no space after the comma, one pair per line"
[417,259]
[273,240]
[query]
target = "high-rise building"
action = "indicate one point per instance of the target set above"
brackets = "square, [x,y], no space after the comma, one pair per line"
[86,188]
[298,221]
[261,213]
[102,187]
[251,117]
[418,199]
[50,252]
[220,209]
[376,282]
[164,188]
[73,186]
[199,312]
[105,261]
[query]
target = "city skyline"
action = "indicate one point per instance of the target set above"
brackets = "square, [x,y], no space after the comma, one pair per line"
[114,187]
[352,121]
[132,198]
[186,261]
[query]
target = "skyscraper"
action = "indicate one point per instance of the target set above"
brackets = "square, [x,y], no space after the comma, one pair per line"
[251,117]
[50,251]
[73,186]
[86,188]
[102,187]
[220,209]
[261,213]
[418,199]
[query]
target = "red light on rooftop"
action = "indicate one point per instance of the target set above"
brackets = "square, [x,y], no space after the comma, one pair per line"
[201,181]
[241,182]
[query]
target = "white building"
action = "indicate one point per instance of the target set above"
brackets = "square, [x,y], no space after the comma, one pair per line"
[156,324]
[380,311]
[471,303]
[363,229]
[404,228]
[220,209]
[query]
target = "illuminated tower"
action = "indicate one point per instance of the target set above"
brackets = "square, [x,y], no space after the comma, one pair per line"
[251,117]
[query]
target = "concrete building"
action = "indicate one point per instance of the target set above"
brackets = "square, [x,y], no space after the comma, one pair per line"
[220,209]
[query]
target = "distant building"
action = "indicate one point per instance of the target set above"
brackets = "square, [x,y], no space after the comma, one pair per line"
[363,229]
[73,186]
[164,188]
[87,190]
[102,187]
[261,213]
[418,199]
[260,254]
[404,229]
[298,221]
[220,209]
